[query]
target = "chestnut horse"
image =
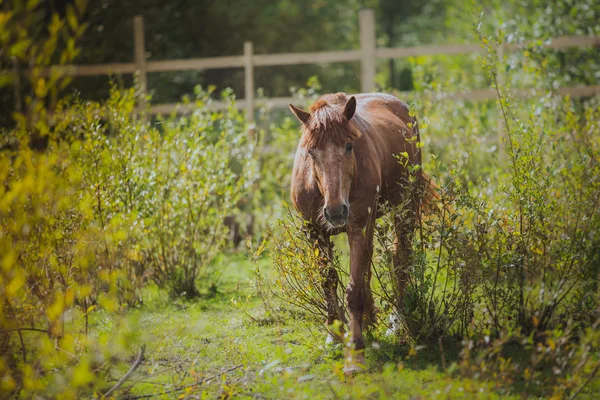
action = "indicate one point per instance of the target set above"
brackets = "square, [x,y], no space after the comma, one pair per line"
[347,165]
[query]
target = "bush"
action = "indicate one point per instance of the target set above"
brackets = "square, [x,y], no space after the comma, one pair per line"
[299,268]
[511,251]
[198,170]
[111,203]
[543,251]
[52,275]
[30,40]
[441,289]
[177,184]
[558,364]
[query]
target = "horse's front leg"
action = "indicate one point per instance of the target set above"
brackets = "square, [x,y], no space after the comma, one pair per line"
[329,281]
[361,249]
[404,228]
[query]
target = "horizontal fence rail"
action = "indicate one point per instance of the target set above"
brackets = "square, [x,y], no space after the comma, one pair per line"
[366,55]
[316,57]
[469,95]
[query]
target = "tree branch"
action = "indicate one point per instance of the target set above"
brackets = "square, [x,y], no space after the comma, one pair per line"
[177,389]
[128,374]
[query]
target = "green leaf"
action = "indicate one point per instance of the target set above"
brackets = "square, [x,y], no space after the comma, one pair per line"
[4,18]
[72,18]
[19,49]
[31,4]
[6,80]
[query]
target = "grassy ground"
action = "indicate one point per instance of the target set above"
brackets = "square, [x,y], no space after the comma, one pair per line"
[274,359]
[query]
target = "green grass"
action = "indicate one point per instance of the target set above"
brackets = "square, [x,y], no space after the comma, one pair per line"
[278,358]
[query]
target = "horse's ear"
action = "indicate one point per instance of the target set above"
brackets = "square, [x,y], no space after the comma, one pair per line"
[350,108]
[299,113]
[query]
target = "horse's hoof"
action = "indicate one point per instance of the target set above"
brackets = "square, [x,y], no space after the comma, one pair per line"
[355,362]
[394,325]
[330,339]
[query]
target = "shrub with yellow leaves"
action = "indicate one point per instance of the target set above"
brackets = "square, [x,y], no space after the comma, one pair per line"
[110,204]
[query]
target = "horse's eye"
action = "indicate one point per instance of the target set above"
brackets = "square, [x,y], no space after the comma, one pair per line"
[311,153]
[349,147]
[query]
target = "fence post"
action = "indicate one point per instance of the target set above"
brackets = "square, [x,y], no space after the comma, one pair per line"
[139,55]
[249,85]
[367,49]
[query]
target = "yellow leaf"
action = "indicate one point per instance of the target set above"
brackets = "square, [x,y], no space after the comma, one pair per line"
[15,284]
[5,79]
[20,119]
[5,17]
[41,90]
[82,376]
[72,18]
[8,260]
[69,297]
[85,290]
[31,4]
[537,250]
[7,383]
[56,309]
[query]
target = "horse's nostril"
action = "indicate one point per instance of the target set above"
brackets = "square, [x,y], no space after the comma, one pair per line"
[336,213]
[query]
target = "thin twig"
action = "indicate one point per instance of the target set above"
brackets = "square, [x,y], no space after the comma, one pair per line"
[145,381]
[25,329]
[589,379]
[177,389]
[23,349]
[442,353]
[128,374]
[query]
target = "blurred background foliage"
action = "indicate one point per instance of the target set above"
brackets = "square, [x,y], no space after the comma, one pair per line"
[192,29]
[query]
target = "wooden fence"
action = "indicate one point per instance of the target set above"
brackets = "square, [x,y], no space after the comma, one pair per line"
[367,55]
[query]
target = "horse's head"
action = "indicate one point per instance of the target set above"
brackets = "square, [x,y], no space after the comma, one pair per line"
[328,142]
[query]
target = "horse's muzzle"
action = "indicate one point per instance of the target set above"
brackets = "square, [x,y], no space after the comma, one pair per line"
[337,216]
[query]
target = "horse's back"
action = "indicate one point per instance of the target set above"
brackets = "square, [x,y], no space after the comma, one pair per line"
[387,124]
[383,103]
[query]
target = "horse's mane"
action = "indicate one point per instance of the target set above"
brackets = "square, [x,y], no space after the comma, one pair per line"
[327,122]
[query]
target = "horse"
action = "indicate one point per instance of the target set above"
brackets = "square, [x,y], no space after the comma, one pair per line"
[353,157]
